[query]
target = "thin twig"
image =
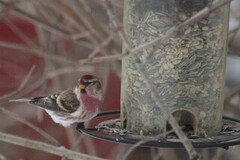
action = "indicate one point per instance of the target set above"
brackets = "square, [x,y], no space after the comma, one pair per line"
[172,121]
[66,12]
[41,23]
[78,36]
[87,17]
[60,151]
[30,125]
[51,75]
[21,86]
[77,142]
[202,13]
[231,95]
[35,20]
[171,32]
[28,88]
[142,141]
[71,136]
[68,70]
[88,20]
[20,33]
[96,50]
[91,148]
[47,14]
[156,154]
[2,157]
[218,154]
[34,51]
[112,18]
[73,18]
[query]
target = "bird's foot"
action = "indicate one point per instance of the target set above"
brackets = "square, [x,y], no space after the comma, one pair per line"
[80,126]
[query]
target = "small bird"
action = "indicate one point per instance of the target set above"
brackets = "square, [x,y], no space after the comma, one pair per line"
[78,104]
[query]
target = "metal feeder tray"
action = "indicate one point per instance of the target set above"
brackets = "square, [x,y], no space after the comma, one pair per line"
[227,137]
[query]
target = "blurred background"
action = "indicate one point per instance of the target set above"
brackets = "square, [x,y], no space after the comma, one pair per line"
[45,46]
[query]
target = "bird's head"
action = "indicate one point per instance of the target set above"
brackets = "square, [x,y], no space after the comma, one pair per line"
[91,86]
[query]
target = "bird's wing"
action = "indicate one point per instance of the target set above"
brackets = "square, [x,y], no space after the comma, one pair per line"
[68,101]
[65,101]
[46,102]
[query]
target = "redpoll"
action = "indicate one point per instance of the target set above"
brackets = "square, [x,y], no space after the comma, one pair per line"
[77,104]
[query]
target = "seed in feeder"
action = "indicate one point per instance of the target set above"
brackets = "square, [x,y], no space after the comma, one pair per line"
[187,31]
[141,133]
[199,47]
[205,28]
[176,61]
[184,50]
[195,26]
[203,21]
[165,66]
[182,16]
[194,12]
[137,84]
[169,57]
[161,70]
[170,65]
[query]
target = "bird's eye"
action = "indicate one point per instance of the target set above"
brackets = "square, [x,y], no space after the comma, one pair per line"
[90,83]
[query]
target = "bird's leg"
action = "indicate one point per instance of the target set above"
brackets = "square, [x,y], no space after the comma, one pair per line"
[80,125]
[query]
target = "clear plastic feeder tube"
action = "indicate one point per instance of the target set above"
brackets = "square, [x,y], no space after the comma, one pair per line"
[186,70]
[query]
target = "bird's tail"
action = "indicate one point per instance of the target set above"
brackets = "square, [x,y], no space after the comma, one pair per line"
[21,100]
[42,102]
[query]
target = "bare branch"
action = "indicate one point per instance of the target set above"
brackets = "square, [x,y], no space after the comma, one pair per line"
[231,95]
[34,51]
[27,123]
[171,32]
[41,23]
[22,35]
[35,20]
[172,121]
[2,157]
[218,154]
[116,25]
[77,142]
[68,70]
[205,11]
[60,151]
[88,20]
[144,140]
[23,83]
[96,50]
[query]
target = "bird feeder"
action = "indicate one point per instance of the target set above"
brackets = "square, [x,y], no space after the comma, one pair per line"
[186,70]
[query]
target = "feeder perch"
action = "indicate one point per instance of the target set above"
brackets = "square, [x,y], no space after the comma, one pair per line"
[110,130]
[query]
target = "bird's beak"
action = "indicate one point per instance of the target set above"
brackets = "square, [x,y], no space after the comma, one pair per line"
[81,86]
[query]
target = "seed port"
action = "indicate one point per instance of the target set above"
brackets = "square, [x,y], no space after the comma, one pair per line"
[186,121]
[228,136]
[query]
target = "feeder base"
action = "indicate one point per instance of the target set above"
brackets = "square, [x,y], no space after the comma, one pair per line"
[110,130]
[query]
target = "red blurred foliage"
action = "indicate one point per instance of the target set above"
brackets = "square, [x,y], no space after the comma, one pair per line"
[15,64]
